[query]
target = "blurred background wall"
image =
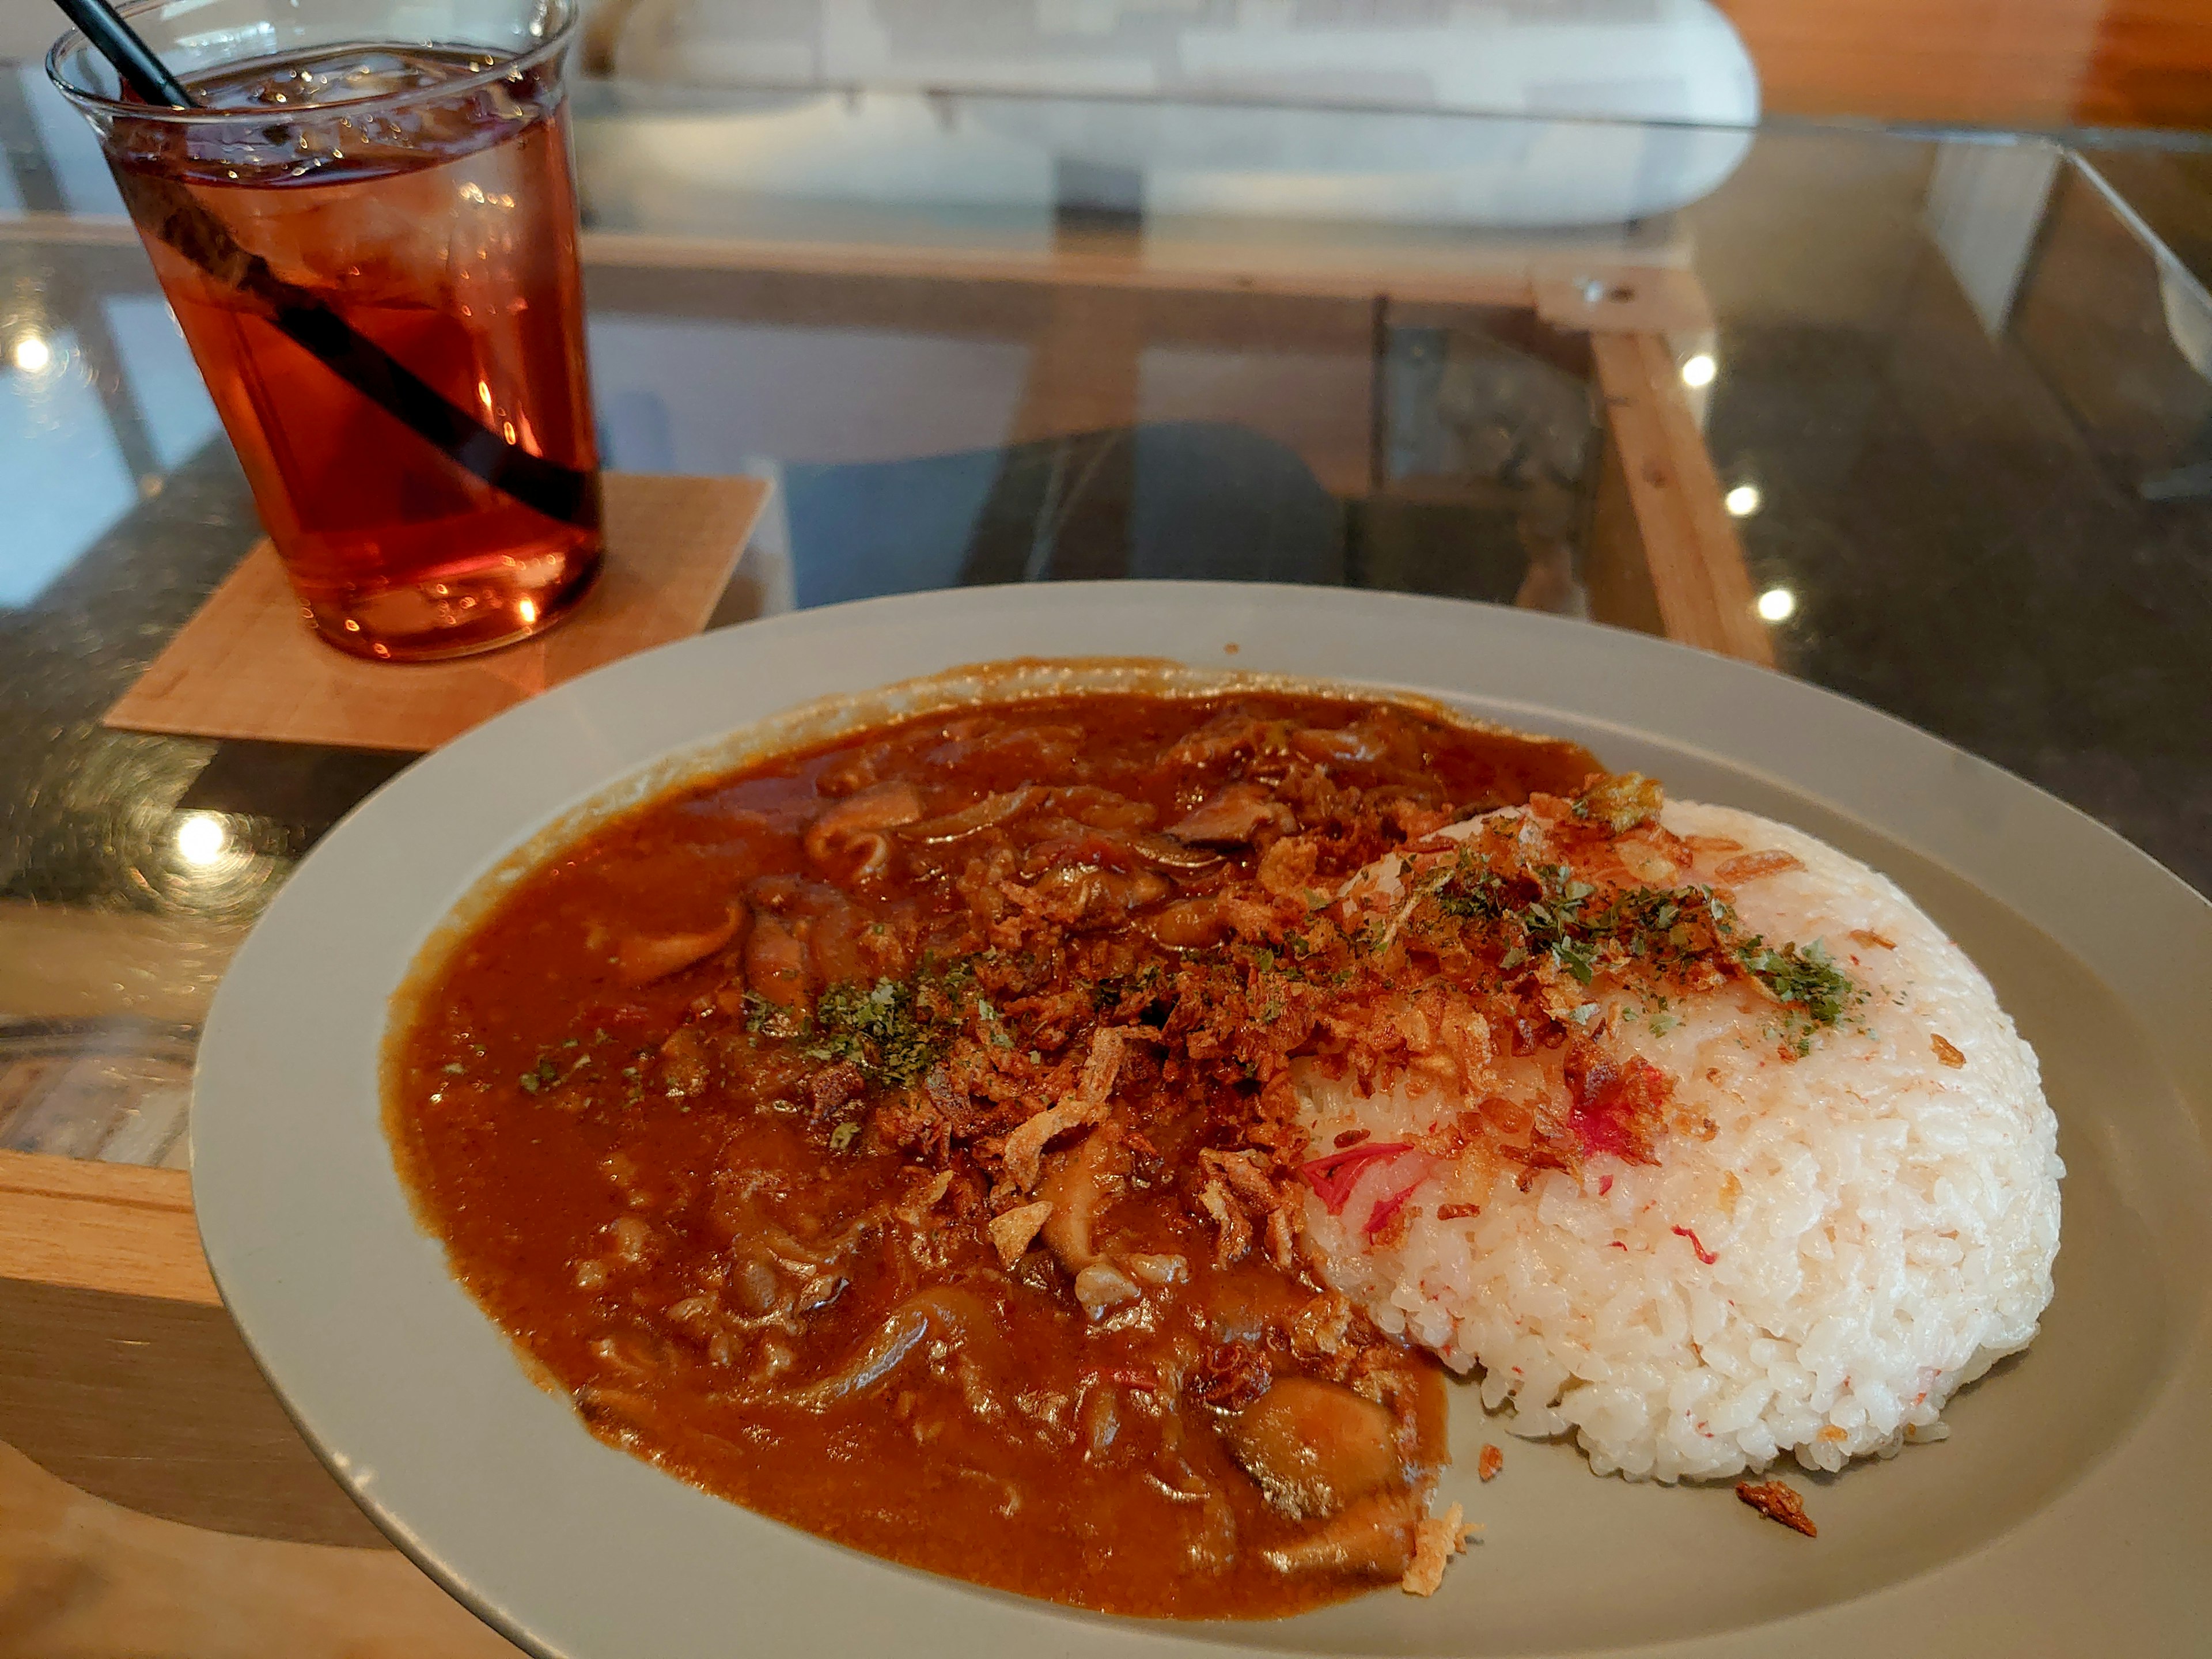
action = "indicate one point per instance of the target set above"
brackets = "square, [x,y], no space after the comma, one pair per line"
[2029,62]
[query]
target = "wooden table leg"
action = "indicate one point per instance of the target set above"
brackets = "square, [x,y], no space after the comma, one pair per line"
[1663,555]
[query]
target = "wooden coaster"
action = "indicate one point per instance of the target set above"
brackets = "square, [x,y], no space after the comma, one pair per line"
[246,667]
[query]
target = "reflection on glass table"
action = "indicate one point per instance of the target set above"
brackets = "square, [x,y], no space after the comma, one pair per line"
[1937,408]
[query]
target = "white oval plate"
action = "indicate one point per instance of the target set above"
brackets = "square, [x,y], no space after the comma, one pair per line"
[2070,1512]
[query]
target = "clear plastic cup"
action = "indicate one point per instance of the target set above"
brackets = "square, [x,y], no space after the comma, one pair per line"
[368,233]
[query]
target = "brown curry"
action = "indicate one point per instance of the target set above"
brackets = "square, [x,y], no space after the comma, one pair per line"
[896,1138]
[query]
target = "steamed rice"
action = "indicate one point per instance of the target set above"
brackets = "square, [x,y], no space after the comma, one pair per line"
[1868,1227]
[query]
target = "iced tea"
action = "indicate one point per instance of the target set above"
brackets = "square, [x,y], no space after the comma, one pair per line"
[414,222]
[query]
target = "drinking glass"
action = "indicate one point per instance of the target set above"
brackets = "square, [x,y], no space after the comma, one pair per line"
[368,233]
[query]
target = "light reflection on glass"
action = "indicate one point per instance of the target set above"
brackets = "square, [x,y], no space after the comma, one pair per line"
[209,864]
[1778,605]
[1699,370]
[1743,501]
[32,354]
[202,839]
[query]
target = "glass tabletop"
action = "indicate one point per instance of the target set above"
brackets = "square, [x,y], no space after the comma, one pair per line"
[1953,397]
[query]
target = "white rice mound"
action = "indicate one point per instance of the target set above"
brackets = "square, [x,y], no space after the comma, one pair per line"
[1882,1224]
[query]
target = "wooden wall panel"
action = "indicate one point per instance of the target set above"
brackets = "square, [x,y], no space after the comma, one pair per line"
[1997,63]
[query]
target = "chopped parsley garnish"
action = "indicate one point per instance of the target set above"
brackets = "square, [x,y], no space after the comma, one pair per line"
[1805,980]
[1644,933]
[771,1019]
[876,1028]
[543,1075]
[994,1028]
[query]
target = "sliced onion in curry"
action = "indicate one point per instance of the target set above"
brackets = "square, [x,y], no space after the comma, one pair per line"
[987,814]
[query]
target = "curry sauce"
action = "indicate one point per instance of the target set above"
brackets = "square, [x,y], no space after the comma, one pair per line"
[891,1137]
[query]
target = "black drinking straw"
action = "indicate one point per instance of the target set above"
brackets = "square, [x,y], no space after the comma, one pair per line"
[118,43]
[164,207]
